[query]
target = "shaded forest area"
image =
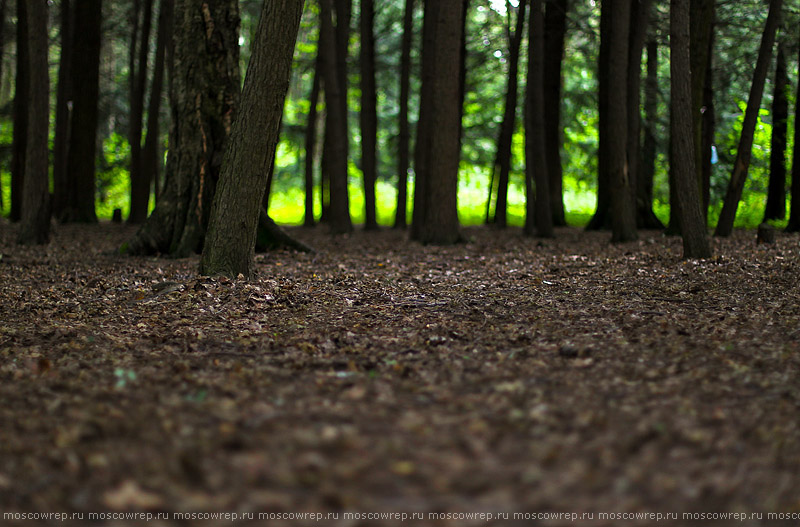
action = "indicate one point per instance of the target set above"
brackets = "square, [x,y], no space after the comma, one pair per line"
[206,356]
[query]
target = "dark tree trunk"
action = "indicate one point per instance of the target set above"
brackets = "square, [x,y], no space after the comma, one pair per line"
[602,218]
[405,135]
[640,16]
[555,30]
[63,112]
[701,34]
[646,218]
[21,102]
[462,74]
[441,100]
[151,153]
[794,216]
[708,128]
[35,225]
[310,143]
[692,221]
[205,95]
[2,49]
[623,225]
[336,125]
[140,185]
[744,151]
[776,192]
[502,163]
[231,238]
[535,150]
[369,115]
[83,126]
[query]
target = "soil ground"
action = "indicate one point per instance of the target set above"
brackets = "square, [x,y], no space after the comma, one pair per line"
[502,375]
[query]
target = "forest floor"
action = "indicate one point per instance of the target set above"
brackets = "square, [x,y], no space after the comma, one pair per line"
[502,375]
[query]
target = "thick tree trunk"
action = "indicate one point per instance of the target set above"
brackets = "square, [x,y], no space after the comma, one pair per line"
[310,142]
[83,126]
[404,138]
[601,218]
[623,225]
[336,125]
[646,218]
[708,128]
[502,163]
[701,34]
[640,16]
[152,160]
[776,192]
[140,185]
[35,225]
[231,238]
[743,153]
[63,112]
[535,150]
[369,114]
[20,113]
[441,97]
[206,87]
[693,227]
[794,216]
[555,29]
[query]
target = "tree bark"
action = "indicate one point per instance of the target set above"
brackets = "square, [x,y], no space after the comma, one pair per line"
[701,33]
[502,163]
[311,141]
[646,219]
[794,216]
[369,115]
[535,150]
[623,227]
[205,93]
[231,238]
[601,218]
[692,221]
[776,191]
[708,127]
[63,112]
[555,29]
[441,97]
[140,185]
[83,126]
[744,151]
[21,93]
[336,124]
[152,160]
[35,225]
[404,137]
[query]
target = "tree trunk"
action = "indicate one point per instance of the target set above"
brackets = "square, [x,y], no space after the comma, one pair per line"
[206,86]
[708,128]
[503,156]
[369,115]
[152,160]
[555,29]
[140,185]
[692,221]
[640,17]
[63,112]
[794,216]
[83,126]
[601,218]
[311,141]
[623,225]
[2,49]
[535,150]
[405,134]
[441,101]
[21,102]
[234,216]
[336,125]
[646,219]
[742,163]
[35,225]
[776,192]
[701,33]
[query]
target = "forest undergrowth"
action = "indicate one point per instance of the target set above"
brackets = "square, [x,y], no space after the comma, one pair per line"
[505,374]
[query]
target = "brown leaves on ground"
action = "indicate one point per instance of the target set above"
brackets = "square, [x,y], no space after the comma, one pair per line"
[504,374]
